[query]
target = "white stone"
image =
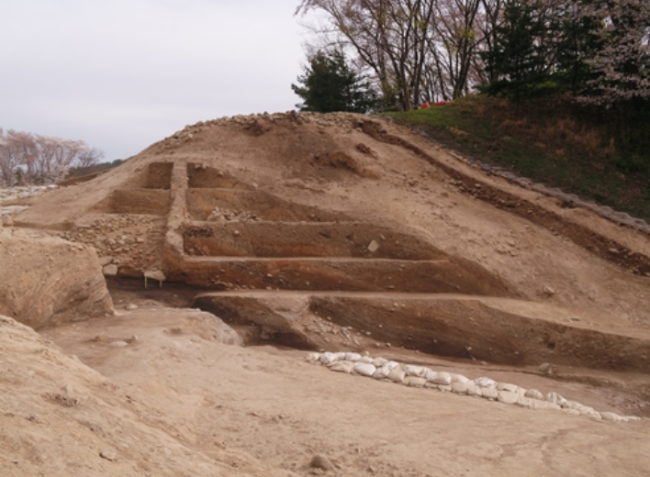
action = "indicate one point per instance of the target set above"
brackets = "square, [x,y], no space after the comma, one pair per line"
[103,261]
[373,246]
[110,270]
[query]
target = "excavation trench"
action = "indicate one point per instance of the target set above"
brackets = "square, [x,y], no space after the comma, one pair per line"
[499,331]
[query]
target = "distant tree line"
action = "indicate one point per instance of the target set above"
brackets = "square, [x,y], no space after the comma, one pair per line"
[27,158]
[595,51]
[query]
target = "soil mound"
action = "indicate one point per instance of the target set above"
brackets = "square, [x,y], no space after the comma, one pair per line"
[347,233]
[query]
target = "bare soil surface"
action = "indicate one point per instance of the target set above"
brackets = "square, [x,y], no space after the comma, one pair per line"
[278,234]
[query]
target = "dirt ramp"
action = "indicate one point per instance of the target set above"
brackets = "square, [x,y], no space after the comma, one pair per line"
[48,281]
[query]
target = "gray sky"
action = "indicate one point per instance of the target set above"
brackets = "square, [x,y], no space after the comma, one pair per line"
[122,74]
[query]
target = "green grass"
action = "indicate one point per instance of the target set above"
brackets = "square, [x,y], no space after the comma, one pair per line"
[547,142]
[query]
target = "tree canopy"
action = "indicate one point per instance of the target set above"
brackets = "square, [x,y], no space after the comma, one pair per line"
[330,85]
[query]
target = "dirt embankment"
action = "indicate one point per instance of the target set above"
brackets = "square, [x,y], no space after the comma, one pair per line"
[322,232]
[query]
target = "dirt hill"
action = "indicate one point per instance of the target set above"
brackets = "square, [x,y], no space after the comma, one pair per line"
[338,233]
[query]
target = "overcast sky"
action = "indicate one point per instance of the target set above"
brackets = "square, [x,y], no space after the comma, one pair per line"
[122,74]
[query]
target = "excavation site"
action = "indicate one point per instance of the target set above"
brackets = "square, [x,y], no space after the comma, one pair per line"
[319,294]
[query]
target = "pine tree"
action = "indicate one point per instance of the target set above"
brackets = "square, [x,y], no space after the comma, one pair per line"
[521,59]
[330,85]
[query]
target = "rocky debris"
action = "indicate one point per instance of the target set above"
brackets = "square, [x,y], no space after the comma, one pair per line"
[130,240]
[46,281]
[227,215]
[373,246]
[319,461]
[423,377]
[14,193]
[108,454]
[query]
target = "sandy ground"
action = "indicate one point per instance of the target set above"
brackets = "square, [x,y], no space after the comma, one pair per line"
[160,388]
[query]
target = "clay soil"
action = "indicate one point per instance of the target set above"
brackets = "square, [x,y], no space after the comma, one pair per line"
[264,228]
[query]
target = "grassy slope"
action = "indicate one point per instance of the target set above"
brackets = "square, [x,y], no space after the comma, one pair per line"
[545,143]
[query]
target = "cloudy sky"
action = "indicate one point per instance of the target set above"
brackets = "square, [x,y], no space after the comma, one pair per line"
[122,74]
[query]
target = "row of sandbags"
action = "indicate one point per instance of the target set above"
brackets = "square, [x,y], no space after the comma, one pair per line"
[423,377]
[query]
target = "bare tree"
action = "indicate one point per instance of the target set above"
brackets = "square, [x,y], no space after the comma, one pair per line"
[41,159]
[455,43]
[389,36]
[90,157]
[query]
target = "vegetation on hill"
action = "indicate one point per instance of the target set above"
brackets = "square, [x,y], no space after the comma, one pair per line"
[579,149]
[93,169]
[329,84]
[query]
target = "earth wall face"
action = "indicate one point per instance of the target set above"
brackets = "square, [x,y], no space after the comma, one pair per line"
[48,281]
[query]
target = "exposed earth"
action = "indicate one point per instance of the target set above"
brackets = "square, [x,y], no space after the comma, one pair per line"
[155,318]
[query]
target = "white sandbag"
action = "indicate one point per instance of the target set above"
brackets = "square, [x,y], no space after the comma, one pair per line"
[364,369]
[490,393]
[473,389]
[328,358]
[354,357]
[379,362]
[484,382]
[459,388]
[534,394]
[342,367]
[415,381]
[441,377]
[458,378]
[390,365]
[381,373]
[555,398]
[612,417]
[524,402]
[507,387]
[412,370]
[312,358]
[366,359]
[397,375]
[508,397]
